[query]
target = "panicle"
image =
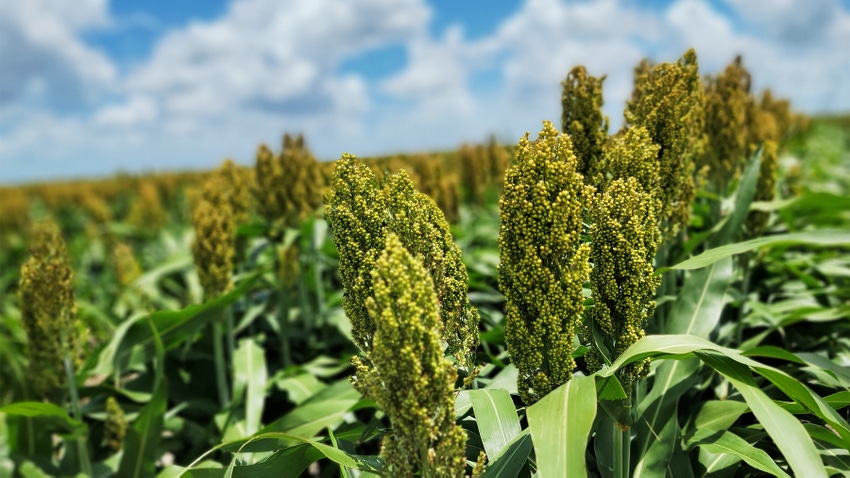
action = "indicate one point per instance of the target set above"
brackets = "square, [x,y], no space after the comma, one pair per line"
[668,102]
[115,428]
[543,263]
[288,186]
[126,267]
[625,237]
[727,102]
[582,118]
[213,248]
[48,310]
[756,221]
[409,376]
[361,214]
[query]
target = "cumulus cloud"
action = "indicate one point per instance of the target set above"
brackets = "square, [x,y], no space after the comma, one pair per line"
[43,60]
[219,87]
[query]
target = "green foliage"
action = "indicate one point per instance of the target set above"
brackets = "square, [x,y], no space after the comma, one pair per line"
[543,263]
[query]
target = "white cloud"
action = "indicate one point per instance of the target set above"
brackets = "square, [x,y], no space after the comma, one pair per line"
[43,61]
[217,88]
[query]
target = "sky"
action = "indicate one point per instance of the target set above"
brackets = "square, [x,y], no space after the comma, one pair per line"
[94,87]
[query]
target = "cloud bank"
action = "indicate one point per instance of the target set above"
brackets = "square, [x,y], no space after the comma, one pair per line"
[217,88]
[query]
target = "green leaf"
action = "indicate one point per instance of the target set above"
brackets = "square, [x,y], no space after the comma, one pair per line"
[497,419]
[175,327]
[56,418]
[300,387]
[143,436]
[250,375]
[726,442]
[823,237]
[719,415]
[786,431]
[697,311]
[743,198]
[295,457]
[512,459]
[560,425]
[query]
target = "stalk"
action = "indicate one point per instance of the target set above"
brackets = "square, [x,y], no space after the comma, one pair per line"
[220,364]
[745,291]
[283,326]
[82,446]
[317,283]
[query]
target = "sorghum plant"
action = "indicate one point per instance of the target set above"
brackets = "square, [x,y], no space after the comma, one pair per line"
[213,248]
[237,192]
[765,189]
[289,185]
[361,214]
[582,118]
[48,311]
[543,262]
[408,375]
[726,105]
[668,102]
[146,212]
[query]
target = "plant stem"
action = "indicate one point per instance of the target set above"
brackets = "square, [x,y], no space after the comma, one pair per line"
[228,328]
[283,325]
[82,445]
[745,291]
[220,364]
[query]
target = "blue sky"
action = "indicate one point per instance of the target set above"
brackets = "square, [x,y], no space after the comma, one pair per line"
[92,87]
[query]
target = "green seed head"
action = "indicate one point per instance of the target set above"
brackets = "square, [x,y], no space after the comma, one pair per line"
[48,311]
[726,110]
[765,190]
[582,118]
[213,248]
[409,377]
[624,237]
[361,214]
[543,263]
[288,186]
[668,102]
[115,428]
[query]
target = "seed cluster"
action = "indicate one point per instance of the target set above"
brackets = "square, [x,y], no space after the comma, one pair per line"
[625,237]
[361,214]
[289,185]
[213,248]
[582,118]
[48,311]
[543,263]
[765,189]
[668,102]
[409,376]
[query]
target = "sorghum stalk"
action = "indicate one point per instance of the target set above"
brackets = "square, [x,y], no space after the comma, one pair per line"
[543,262]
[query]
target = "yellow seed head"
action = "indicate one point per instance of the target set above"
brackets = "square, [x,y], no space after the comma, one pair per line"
[126,267]
[668,102]
[48,310]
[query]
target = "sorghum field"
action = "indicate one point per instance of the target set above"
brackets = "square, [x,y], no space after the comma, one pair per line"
[670,299]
